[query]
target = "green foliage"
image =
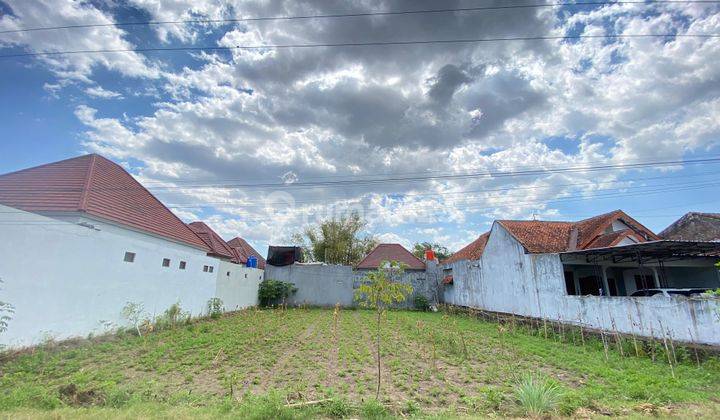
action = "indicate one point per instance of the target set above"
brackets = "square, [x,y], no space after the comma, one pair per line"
[134,313]
[265,407]
[712,293]
[537,396]
[6,313]
[215,307]
[336,241]
[186,372]
[373,409]
[441,252]
[421,303]
[273,292]
[380,288]
[172,317]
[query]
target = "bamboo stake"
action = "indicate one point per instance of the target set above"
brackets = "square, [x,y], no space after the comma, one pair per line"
[692,340]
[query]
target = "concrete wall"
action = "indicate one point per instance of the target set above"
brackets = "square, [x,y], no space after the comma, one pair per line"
[506,279]
[237,285]
[317,284]
[327,285]
[64,279]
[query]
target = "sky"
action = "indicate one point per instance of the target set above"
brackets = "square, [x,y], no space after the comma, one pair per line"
[425,141]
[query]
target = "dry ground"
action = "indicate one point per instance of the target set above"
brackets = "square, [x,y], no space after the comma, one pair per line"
[433,364]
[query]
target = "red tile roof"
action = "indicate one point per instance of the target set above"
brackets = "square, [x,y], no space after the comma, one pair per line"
[391,252]
[218,247]
[612,239]
[243,250]
[472,251]
[540,237]
[98,187]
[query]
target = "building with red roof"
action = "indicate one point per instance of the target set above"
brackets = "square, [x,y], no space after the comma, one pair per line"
[106,241]
[96,188]
[390,252]
[242,250]
[218,247]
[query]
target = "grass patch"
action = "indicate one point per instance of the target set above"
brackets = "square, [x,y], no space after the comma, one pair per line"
[253,363]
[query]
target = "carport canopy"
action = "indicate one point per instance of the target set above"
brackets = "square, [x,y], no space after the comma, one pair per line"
[660,251]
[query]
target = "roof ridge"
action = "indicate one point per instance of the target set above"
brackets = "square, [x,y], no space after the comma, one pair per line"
[151,194]
[600,215]
[47,164]
[88,182]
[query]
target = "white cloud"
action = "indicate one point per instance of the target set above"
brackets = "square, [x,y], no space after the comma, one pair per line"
[100,92]
[361,113]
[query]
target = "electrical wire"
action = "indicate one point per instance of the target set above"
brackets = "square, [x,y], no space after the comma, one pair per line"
[361,14]
[359,44]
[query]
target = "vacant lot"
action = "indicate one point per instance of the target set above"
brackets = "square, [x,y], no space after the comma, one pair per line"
[254,362]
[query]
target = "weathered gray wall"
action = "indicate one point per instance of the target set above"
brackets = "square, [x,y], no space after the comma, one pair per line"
[506,279]
[327,285]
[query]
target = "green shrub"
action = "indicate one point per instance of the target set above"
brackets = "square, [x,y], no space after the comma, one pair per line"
[421,303]
[338,408]
[173,316]
[273,292]
[537,396]
[373,409]
[215,307]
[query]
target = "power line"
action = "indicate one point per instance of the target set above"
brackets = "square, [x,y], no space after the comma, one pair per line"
[359,14]
[360,44]
[509,201]
[375,181]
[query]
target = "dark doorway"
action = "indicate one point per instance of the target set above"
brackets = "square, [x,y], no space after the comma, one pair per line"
[589,285]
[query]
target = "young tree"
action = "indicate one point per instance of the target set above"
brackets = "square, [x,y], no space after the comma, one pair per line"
[379,290]
[441,252]
[336,241]
[6,313]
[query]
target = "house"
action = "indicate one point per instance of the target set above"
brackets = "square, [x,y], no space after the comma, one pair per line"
[694,226]
[82,238]
[235,281]
[243,250]
[391,252]
[583,272]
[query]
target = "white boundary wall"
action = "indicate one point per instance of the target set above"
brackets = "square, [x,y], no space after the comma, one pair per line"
[238,285]
[505,279]
[64,279]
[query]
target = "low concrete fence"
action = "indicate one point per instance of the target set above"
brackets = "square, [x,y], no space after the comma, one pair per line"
[328,285]
[536,290]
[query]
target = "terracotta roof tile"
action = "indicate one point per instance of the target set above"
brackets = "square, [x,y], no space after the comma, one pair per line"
[391,252]
[472,251]
[539,237]
[612,239]
[243,250]
[98,187]
[218,247]
[550,237]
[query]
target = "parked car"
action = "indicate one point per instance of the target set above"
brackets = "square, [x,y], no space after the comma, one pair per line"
[668,292]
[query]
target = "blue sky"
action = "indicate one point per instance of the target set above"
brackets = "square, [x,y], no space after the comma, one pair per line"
[189,125]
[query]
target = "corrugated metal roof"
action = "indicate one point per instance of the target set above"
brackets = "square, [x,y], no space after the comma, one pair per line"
[98,187]
[391,252]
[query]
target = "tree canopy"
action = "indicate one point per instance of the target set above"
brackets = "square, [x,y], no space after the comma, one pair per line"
[441,252]
[336,241]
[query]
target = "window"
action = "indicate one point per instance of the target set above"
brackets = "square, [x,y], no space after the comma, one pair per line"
[129,257]
[228,274]
[166,262]
[210,269]
[183,264]
[205,268]
[570,283]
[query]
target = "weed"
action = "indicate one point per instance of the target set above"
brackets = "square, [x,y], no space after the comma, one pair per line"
[373,409]
[537,396]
